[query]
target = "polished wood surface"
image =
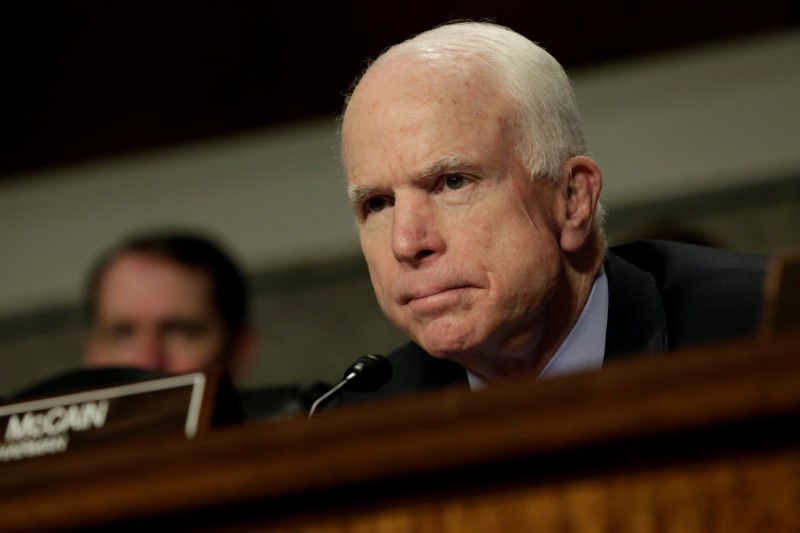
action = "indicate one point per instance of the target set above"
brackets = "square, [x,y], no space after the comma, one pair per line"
[781,312]
[703,440]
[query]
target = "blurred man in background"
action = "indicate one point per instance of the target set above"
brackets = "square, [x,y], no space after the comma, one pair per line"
[172,302]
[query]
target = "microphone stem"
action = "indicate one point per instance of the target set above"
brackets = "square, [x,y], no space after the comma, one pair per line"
[325,397]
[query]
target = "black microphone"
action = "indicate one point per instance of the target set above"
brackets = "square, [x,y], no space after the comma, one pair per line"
[368,373]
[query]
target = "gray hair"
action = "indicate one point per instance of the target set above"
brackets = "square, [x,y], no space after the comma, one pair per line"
[549,121]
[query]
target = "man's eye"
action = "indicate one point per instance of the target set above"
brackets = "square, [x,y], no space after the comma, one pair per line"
[185,329]
[118,333]
[374,205]
[454,182]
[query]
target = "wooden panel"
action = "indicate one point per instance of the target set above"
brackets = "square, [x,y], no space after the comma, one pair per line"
[781,312]
[696,442]
[758,493]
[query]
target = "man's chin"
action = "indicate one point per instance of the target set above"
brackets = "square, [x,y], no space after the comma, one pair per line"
[448,348]
[446,337]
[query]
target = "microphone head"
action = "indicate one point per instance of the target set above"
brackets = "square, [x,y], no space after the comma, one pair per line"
[368,373]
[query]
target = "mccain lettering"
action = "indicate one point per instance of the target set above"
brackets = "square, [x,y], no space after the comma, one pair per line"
[56,424]
[44,432]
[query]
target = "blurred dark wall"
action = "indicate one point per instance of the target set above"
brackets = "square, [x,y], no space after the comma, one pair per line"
[91,78]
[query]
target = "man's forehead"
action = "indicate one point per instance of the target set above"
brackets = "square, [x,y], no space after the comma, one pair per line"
[388,78]
[446,164]
[409,90]
[144,262]
[406,105]
[134,272]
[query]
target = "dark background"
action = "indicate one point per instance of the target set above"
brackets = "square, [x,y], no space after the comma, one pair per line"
[88,79]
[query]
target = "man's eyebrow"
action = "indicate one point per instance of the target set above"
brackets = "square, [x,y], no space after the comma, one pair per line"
[447,164]
[356,193]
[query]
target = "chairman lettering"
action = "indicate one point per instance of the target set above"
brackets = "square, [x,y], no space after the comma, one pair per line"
[57,421]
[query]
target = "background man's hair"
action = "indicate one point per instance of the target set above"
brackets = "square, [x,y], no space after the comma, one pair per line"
[188,249]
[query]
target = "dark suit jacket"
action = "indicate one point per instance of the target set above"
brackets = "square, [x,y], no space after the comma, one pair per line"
[662,296]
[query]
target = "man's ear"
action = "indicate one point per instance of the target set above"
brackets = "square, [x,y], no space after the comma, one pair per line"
[243,350]
[580,186]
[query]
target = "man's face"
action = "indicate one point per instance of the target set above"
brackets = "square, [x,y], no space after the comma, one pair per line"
[462,245]
[155,314]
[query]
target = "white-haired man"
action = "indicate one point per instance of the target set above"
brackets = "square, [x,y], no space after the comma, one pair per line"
[479,217]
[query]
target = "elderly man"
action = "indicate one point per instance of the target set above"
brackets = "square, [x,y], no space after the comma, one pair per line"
[479,217]
[171,302]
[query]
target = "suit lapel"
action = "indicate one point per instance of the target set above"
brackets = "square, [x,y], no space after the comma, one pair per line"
[416,370]
[636,320]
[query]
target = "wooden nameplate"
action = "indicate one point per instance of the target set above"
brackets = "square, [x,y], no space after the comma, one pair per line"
[55,424]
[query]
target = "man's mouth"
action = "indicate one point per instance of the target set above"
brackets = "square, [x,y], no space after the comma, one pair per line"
[435,300]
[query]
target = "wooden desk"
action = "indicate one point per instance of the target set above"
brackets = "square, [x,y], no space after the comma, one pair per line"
[705,440]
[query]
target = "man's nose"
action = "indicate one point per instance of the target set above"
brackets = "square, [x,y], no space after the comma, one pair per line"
[414,232]
[149,351]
